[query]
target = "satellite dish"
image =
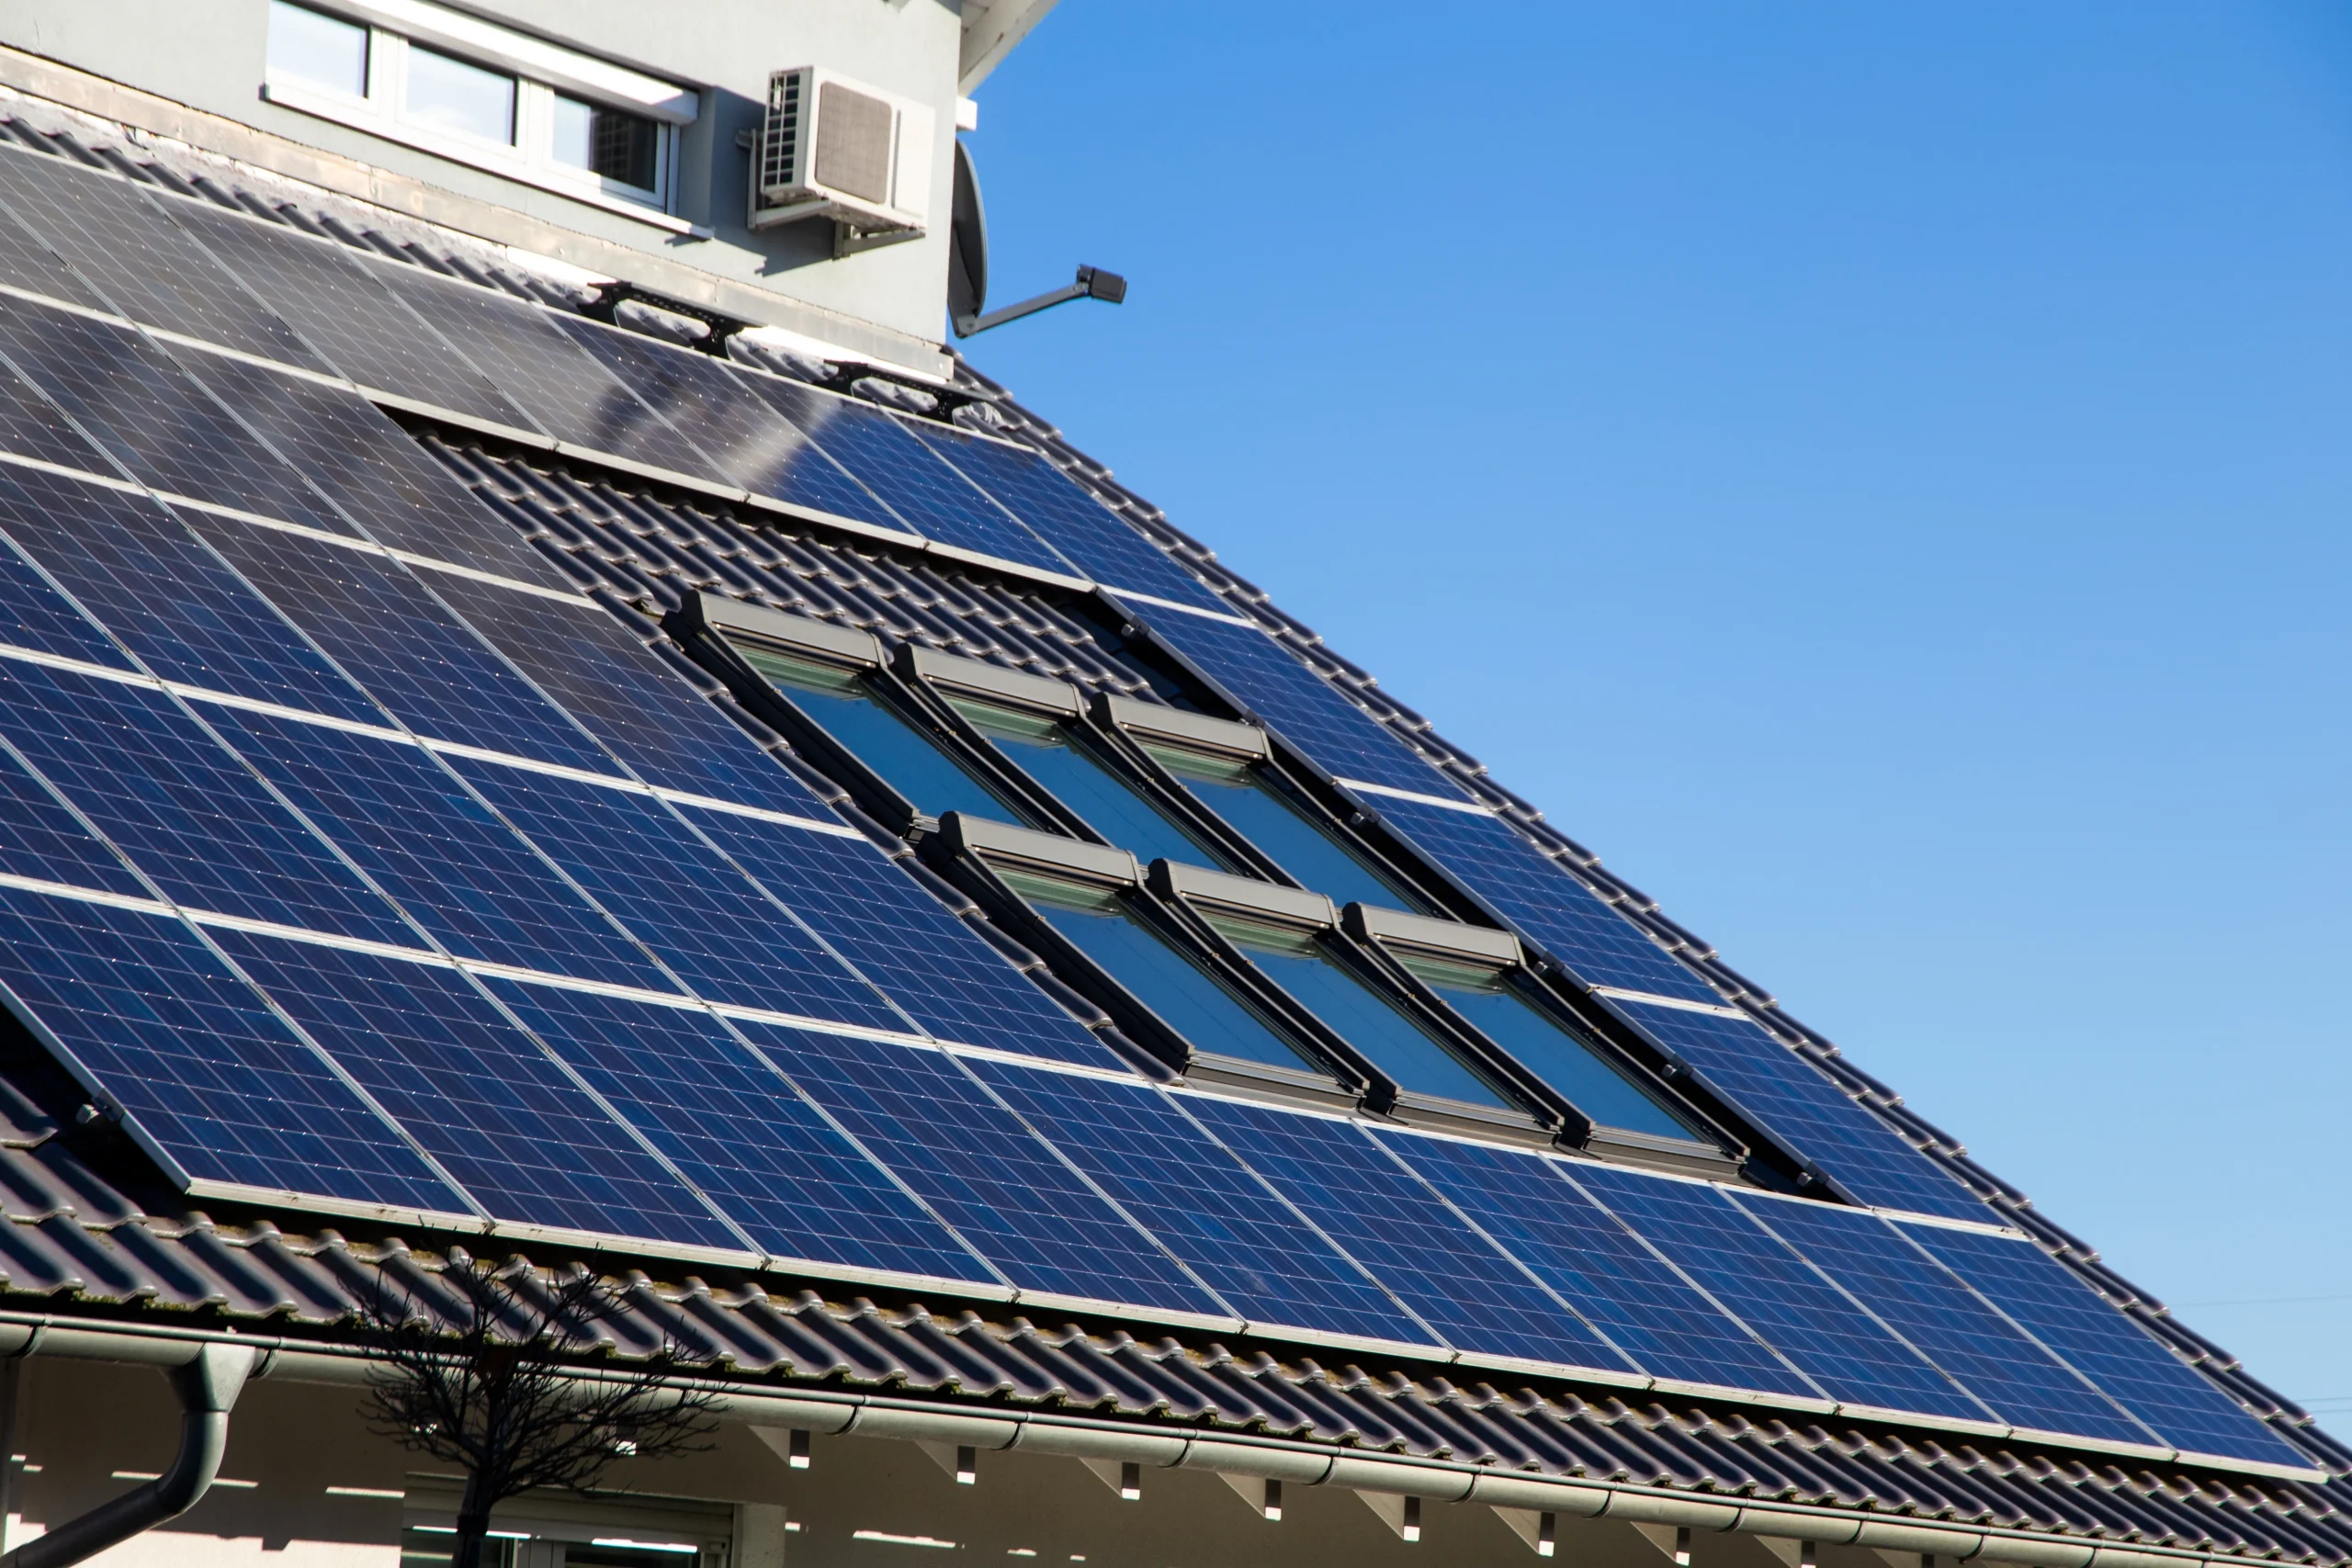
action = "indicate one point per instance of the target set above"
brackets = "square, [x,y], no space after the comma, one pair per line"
[967,244]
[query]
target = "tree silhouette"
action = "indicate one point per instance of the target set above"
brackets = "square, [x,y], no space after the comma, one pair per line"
[482,1367]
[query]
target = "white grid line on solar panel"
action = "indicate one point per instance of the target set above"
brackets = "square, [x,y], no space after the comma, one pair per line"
[401,738]
[1469,807]
[604,459]
[521,976]
[319,535]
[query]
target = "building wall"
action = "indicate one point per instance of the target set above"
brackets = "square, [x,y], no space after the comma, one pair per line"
[212,57]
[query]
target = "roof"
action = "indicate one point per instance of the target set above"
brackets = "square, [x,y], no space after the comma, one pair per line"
[623,509]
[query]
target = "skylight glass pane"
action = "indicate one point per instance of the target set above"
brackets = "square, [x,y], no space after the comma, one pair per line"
[608,142]
[907,760]
[449,94]
[1396,1044]
[1183,994]
[1496,1011]
[318,50]
[1312,857]
[1044,750]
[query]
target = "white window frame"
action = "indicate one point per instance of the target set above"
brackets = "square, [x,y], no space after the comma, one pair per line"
[541,71]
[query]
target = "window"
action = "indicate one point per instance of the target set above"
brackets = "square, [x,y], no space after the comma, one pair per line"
[908,759]
[317,50]
[1045,750]
[1182,994]
[1399,1047]
[1493,1003]
[1253,808]
[449,94]
[475,93]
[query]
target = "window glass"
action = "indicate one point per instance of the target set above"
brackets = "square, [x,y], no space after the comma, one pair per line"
[906,757]
[1043,748]
[1496,1009]
[1184,996]
[1396,1044]
[1313,858]
[618,146]
[449,94]
[322,50]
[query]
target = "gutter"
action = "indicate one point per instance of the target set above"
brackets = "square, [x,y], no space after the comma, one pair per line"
[235,1358]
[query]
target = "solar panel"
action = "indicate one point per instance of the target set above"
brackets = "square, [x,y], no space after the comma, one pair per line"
[35,615]
[186,811]
[760,1153]
[478,1094]
[176,605]
[144,266]
[568,395]
[437,851]
[373,471]
[1050,503]
[1264,677]
[1780,1092]
[1614,1280]
[700,916]
[339,304]
[150,1019]
[32,426]
[1808,1320]
[42,838]
[903,939]
[1251,1247]
[138,404]
[983,1170]
[1949,1323]
[1385,1217]
[1548,905]
[2057,1307]
[26,262]
[928,496]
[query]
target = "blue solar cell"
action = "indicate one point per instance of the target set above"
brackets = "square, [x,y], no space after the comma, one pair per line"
[1780,1092]
[1617,1283]
[137,403]
[1949,1323]
[1102,545]
[145,266]
[324,291]
[738,1132]
[648,716]
[156,586]
[1251,1247]
[375,471]
[930,497]
[903,939]
[187,812]
[412,653]
[698,914]
[154,1019]
[1548,905]
[981,1169]
[478,1093]
[527,356]
[1263,677]
[438,852]
[2059,1308]
[1390,1220]
[1830,1338]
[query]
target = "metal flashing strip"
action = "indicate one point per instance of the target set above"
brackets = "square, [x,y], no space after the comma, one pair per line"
[1157,602]
[1678,1004]
[402,738]
[1470,806]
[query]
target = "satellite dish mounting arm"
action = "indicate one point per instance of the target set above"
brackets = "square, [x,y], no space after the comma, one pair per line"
[1093,283]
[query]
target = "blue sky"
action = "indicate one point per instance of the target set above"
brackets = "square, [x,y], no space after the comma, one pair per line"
[1876,474]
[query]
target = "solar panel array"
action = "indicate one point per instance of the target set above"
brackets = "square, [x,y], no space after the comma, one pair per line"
[356,858]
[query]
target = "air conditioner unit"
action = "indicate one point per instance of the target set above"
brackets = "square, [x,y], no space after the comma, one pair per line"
[836,148]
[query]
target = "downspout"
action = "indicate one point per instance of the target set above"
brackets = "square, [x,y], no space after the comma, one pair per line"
[207,1384]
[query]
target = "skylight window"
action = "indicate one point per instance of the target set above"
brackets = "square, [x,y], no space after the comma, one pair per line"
[1101,925]
[1046,752]
[906,757]
[1412,1057]
[1254,809]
